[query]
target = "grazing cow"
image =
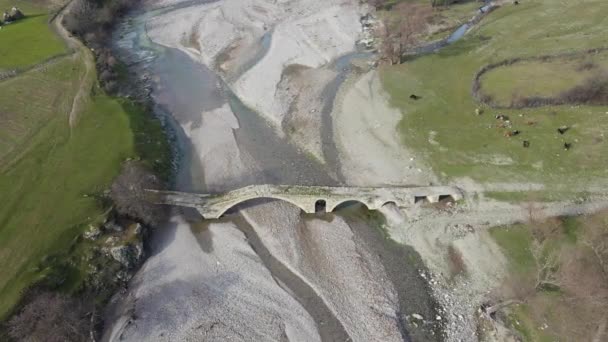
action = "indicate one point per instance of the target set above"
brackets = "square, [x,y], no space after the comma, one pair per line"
[567,146]
[563,129]
[415,97]
[526,143]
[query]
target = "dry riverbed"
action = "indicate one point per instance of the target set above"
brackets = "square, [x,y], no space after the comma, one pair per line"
[262,91]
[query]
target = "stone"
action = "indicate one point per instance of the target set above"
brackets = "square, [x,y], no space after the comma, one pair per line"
[92,233]
[138,229]
[418,317]
[129,255]
[113,226]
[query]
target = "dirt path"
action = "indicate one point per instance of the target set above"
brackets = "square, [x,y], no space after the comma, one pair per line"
[82,52]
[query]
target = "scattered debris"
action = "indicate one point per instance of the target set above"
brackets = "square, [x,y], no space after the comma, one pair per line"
[526,143]
[563,129]
[415,97]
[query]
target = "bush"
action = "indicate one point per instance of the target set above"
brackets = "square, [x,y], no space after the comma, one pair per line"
[593,91]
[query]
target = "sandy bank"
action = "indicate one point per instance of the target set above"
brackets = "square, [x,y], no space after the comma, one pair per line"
[365,132]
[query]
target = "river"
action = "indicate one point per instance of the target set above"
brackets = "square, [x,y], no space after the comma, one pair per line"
[266,271]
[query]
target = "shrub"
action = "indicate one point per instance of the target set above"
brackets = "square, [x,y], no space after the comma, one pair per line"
[593,91]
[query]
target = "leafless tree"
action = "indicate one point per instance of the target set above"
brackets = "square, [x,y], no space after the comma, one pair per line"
[52,317]
[595,237]
[412,20]
[129,196]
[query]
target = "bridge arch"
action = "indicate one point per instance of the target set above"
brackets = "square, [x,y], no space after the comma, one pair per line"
[221,212]
[344,203]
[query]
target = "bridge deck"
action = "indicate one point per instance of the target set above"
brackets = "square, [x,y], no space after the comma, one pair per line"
[305,197]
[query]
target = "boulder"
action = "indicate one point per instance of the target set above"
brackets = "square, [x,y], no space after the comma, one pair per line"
[16,14]
[129,255]
[113,226]
[92,233]
[12,15]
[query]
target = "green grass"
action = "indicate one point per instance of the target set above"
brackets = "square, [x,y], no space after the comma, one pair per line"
[45,193]
[515,243]
[51,174]
[151,144]
[28,41]
[538,78]
[545,195]
[520,319]
[22,114]
[465,144]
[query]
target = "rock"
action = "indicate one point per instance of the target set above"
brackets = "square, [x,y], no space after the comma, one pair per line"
[123,276]
[418,317]
[16,13]
[138,229]
[111,240]
[13,15]
[113,226]
[92,233]
[128,255]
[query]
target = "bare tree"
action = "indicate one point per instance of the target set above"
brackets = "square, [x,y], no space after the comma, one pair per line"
[595,237]
[129,196]
[547,265]
[52,317]
[403,32]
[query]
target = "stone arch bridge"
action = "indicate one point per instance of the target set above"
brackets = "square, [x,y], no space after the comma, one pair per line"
[311,199]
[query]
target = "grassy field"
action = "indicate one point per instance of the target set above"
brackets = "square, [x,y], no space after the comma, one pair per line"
[22,114]
[46,200]
[538,78]
[445,130]
[28,41]
[50,173]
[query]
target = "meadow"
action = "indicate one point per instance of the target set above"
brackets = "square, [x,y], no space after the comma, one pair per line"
[444,126]
[53,174]
[30,40]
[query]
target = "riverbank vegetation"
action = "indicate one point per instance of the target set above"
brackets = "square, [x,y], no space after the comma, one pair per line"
[407,24]
[460,137]
[557,287]
[55,180]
